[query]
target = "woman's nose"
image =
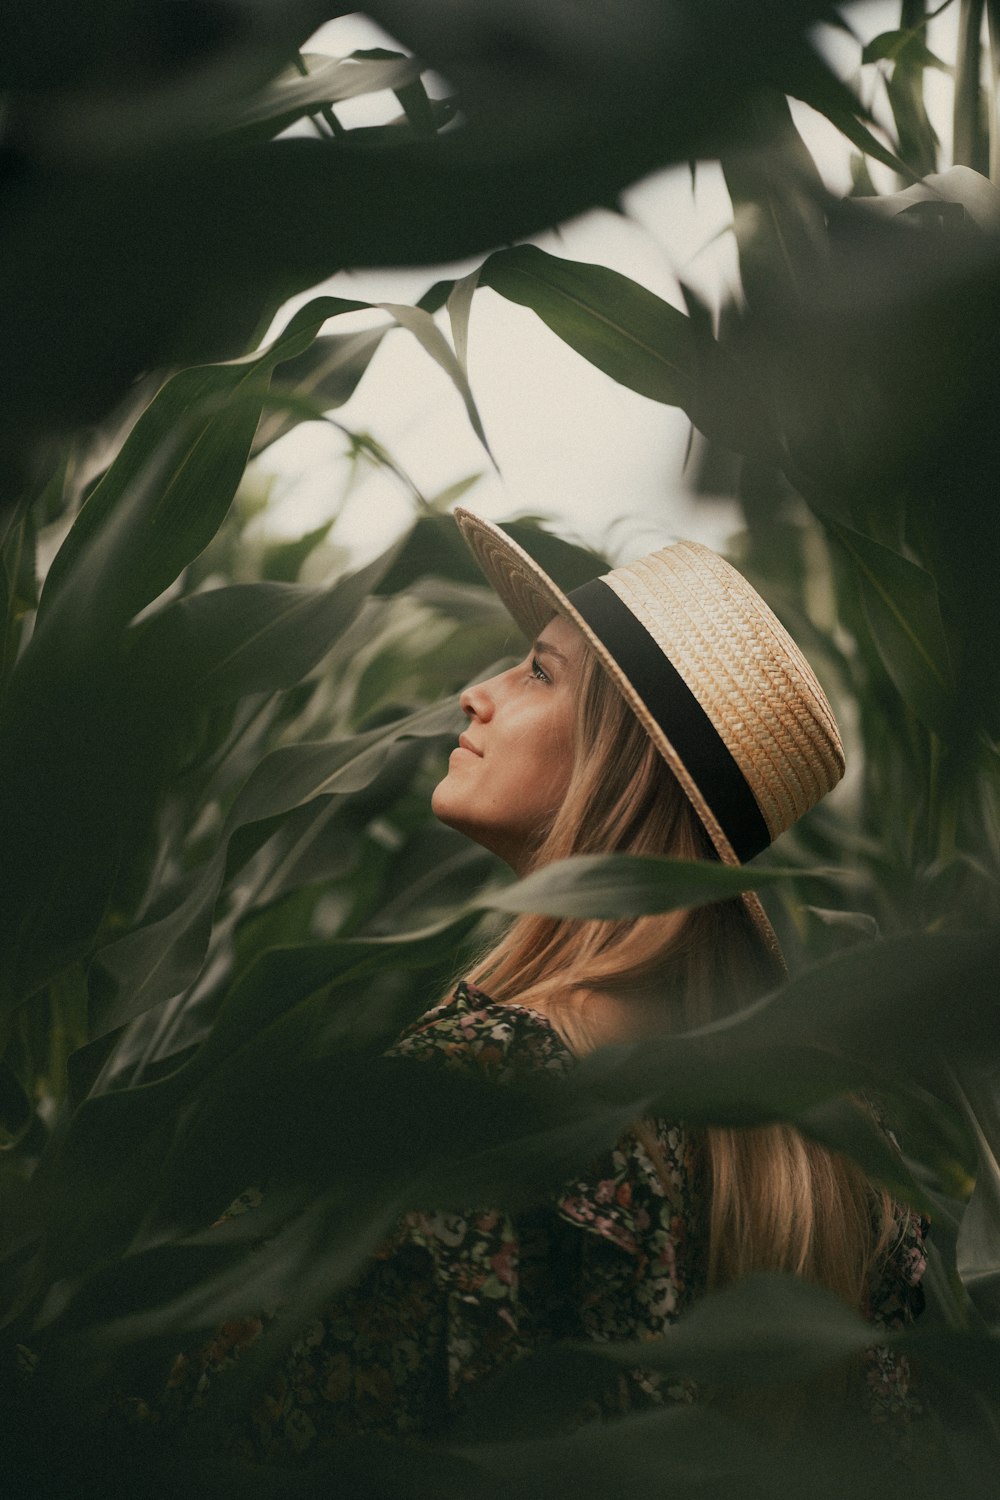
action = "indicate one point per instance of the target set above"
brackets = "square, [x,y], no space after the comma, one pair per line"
[477,701]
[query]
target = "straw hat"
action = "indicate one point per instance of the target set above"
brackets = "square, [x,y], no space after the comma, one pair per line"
[710,672]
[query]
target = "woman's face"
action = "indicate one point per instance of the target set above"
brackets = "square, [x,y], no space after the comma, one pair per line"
[512,766]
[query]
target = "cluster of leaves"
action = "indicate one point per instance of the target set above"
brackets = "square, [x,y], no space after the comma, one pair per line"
[224,896]
[158,133]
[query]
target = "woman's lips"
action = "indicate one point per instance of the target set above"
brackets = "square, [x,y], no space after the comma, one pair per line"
[463,744]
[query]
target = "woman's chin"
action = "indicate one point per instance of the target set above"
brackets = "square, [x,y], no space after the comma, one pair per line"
[443,805]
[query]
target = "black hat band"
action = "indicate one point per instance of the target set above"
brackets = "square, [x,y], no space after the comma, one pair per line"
[680,716]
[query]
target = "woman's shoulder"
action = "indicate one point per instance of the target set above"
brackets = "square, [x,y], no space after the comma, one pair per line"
[500,1040]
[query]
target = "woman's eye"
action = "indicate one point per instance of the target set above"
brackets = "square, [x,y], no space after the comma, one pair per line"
[537,670]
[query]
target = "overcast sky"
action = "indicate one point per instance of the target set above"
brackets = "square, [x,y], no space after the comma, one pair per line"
[606,464]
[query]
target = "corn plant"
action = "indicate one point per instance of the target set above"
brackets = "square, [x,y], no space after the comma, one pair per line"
[223,895]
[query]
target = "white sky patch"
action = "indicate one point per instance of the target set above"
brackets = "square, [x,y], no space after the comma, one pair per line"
[606,464]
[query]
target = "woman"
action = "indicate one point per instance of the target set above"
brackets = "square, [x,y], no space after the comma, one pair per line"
[660,710]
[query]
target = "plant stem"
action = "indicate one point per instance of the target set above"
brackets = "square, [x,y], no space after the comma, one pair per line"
[966,141]
[992,109]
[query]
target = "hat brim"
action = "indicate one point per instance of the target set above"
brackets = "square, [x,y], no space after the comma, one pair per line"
[532,598]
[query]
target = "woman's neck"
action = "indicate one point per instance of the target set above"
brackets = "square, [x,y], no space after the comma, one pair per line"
[588,1019]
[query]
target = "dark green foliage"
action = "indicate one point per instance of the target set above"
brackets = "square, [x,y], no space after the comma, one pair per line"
[222,893]
[198,224]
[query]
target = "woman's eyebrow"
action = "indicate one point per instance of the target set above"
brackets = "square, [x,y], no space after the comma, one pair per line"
[543,647]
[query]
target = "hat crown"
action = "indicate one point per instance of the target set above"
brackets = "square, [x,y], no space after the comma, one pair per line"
[745,671]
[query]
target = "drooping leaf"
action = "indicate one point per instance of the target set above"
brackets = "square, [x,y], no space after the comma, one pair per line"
[811,79]
[421,324]
[198,243]
[847,1127]
[121,42]
[632,335]
[216,408]
[459,311]
[904,44]
[610,886]
[858,1001]
[907,51]
[326,374]
[281,977]
[857,926]
[328,80]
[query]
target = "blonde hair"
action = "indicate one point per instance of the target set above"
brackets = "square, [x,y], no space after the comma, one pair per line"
[776,1201]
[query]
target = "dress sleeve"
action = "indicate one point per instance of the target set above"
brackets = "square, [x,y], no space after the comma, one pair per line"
[440,1303]
[896,1298]
[641,1251]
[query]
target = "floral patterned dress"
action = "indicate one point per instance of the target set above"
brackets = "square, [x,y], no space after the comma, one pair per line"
[450,1298]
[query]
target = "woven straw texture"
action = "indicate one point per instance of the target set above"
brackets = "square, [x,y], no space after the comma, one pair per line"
[746,672]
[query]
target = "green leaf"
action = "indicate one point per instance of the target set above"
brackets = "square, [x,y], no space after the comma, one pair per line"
[959,186]
[842,1125]
[160,958]
[82,737]
[978,1251]
[325,375]
[766,1330]
[120,44]
[328,80]
[856,925]
[812,80]
[290,1007]
[210,413]
[16,1110]
[765,1333]
[429,336]
[280,978]
[459,305]
[18,585]
[902,46]
[777,196]
[907,51]
[611,886]
[249,638]
[175,255]
[870,1012]
[883,1000]
[970,1359]
[901,603]
[422,113]
[633,336]
[283,561]
[433,548]
[327,378]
